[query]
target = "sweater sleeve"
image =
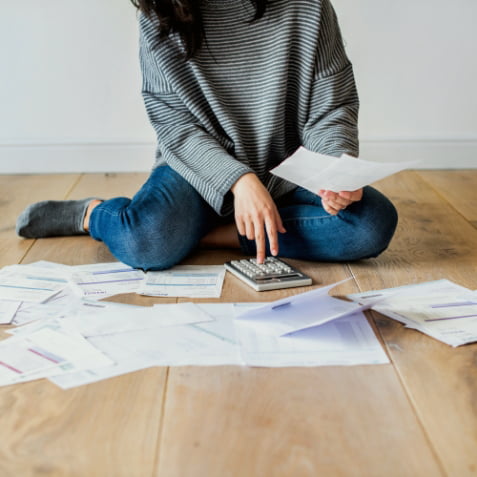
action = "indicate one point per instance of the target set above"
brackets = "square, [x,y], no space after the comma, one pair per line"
[332,125]
[183,142]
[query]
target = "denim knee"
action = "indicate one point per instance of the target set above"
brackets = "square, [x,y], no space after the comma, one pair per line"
[377,223]
[150,251]
[159,227]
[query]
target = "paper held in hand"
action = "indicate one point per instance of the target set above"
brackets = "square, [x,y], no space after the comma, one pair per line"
[315,171]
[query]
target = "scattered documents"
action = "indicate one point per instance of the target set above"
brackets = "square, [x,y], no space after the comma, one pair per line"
[344,341]
[46,352]
[66,334]
[70,337]
[300,312]
[191,281]
[441,309]
[315,171]
[210,342]
[127,334]
[223,341]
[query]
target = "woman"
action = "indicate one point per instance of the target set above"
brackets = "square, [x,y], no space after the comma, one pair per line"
[232,88]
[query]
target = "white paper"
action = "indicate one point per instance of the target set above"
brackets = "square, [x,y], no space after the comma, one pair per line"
[205,343]
[73,349]
[130,318]
[81,309]
[44,352]
[210,342]
[345,341]
[299,312]
[174,345]
[186,345]
[315,171]
[18,358]
[75,341]
[8,310]
[191,281]
[223,340]
[441,309]
[59,305]
[30,284]
[125,361]
[101,280]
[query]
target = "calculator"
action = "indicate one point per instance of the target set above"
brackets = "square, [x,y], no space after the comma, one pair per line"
[273,274]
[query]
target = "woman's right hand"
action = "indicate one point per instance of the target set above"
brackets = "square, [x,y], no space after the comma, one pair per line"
[256,214]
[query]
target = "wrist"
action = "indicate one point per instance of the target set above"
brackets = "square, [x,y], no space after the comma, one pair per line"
[242,180]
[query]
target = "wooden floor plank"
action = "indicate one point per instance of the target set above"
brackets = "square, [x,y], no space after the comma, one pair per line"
[104,429]
[107,186]
[459,188]
[239,421]
[107,428]
[18,191]
[432,242]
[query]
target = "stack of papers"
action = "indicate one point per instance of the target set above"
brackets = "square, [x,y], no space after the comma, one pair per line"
[47,289]
[441,309]
[209,334]
[48,351]
[71,338]
[116,331]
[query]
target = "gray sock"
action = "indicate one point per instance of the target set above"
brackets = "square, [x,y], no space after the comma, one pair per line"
[51,218]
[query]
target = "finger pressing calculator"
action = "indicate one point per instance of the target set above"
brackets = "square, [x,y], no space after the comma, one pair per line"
[273,274]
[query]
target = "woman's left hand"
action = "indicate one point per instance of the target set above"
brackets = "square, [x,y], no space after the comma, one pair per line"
[334,202]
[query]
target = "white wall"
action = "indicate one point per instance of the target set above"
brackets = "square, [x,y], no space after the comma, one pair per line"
[416,67]
[70,86]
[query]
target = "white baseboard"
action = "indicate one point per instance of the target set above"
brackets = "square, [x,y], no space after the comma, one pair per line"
[431,154]
[132,157]
[64,158]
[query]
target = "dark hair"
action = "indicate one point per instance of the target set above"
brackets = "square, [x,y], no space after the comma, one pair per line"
[184,17]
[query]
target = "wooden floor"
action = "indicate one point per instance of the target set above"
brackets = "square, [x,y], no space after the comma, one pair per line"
[414,417]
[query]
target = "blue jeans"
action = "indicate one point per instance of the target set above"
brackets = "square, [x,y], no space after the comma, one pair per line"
[167,218]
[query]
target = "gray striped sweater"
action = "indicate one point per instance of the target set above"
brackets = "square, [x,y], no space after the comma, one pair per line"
[254,93]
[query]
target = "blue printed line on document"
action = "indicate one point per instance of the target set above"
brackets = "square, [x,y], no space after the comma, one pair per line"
[193,275]
[449,305]
[181,284]
[120,270]
[111,281]
[48,279]
[451,318]
[26,288]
